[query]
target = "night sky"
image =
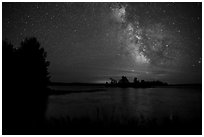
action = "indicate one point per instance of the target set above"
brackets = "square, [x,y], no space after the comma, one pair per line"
[91,42]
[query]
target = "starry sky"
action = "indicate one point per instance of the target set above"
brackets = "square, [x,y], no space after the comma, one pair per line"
[91,42]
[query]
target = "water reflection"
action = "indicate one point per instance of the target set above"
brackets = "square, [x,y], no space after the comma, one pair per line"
[128,102]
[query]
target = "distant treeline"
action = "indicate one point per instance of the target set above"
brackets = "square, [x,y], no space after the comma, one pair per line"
[124,82]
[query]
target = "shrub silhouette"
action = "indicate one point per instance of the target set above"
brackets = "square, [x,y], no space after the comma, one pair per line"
[25,89]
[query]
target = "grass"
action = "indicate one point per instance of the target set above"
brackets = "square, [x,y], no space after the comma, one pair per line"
[103,125]
[112,125]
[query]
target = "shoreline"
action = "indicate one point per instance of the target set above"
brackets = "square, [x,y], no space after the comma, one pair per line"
[100,88]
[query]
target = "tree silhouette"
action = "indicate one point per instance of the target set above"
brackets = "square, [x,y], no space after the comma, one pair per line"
[113,81]
[35,59]
[123,82]
[8,95]
[25,88]
[135,81]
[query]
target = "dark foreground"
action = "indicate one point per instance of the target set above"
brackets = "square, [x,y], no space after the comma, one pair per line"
[85,126]
[102,125]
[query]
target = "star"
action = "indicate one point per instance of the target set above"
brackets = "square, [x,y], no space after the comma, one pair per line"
[144,37]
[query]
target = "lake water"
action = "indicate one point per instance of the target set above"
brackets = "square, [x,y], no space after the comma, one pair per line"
[185,103]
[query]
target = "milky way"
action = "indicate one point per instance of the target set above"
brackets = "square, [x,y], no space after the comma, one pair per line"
[151,43]
[91,42]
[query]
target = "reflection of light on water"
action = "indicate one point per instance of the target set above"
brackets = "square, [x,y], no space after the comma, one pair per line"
[129,102]
[140,104]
